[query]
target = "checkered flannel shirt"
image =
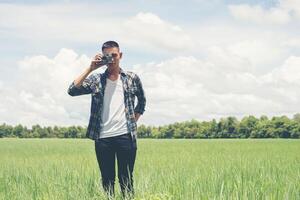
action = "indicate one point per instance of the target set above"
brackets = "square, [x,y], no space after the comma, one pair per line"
[95,85]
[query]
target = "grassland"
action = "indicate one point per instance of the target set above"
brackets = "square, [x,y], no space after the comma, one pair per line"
[164,169]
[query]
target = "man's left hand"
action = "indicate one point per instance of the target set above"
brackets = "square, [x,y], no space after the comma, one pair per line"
[136,116]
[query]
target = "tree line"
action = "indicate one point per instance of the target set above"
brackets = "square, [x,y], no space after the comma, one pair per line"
[228,127]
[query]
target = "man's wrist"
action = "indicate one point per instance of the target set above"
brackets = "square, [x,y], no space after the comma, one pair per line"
[89,69]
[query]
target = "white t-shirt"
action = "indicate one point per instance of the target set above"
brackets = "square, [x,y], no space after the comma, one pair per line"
[113,115]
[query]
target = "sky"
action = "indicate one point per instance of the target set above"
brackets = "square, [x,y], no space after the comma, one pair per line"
[197,59]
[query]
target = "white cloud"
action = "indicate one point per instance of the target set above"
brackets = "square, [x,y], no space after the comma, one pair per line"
[150,30]
[259,15]
[289,72]
[282,13]
[52,22]
[40,94]
[176,89]
[81,23]
[185,87]
[291,6]
[257,51]
[292,42]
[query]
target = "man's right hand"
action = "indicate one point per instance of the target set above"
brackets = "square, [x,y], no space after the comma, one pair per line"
[95,64]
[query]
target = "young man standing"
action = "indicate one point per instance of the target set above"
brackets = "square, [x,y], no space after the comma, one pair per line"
[112,123]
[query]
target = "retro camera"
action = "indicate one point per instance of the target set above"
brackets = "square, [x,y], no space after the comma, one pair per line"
[106,59]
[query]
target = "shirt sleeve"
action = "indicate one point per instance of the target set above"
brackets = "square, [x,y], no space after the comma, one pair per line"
[85,88]
[140,94]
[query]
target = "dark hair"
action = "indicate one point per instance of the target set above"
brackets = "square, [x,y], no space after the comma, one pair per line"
[109,44]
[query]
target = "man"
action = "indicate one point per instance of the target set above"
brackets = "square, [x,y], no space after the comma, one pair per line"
[112,123]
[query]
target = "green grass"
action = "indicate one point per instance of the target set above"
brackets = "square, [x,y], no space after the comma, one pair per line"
[164,169]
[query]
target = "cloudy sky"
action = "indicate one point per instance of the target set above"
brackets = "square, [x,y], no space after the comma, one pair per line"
[196,59]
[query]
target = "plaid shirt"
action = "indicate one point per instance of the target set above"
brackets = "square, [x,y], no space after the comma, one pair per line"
[95,85]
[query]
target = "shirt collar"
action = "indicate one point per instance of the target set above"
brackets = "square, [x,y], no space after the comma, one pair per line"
[122,72]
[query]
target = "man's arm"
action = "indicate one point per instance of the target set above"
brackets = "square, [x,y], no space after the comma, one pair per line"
[140,107]
[81,85]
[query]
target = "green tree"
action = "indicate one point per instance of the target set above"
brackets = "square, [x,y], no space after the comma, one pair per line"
[246,126]
[282,126]
[296,117]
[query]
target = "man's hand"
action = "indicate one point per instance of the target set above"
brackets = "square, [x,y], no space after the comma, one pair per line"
[136,116]
[95,64]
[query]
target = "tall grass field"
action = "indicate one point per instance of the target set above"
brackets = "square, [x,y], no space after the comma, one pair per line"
[182,169]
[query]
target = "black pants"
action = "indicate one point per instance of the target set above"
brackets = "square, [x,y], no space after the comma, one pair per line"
[124,148]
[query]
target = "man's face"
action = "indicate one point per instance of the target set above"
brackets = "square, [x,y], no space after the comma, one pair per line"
[115,52]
